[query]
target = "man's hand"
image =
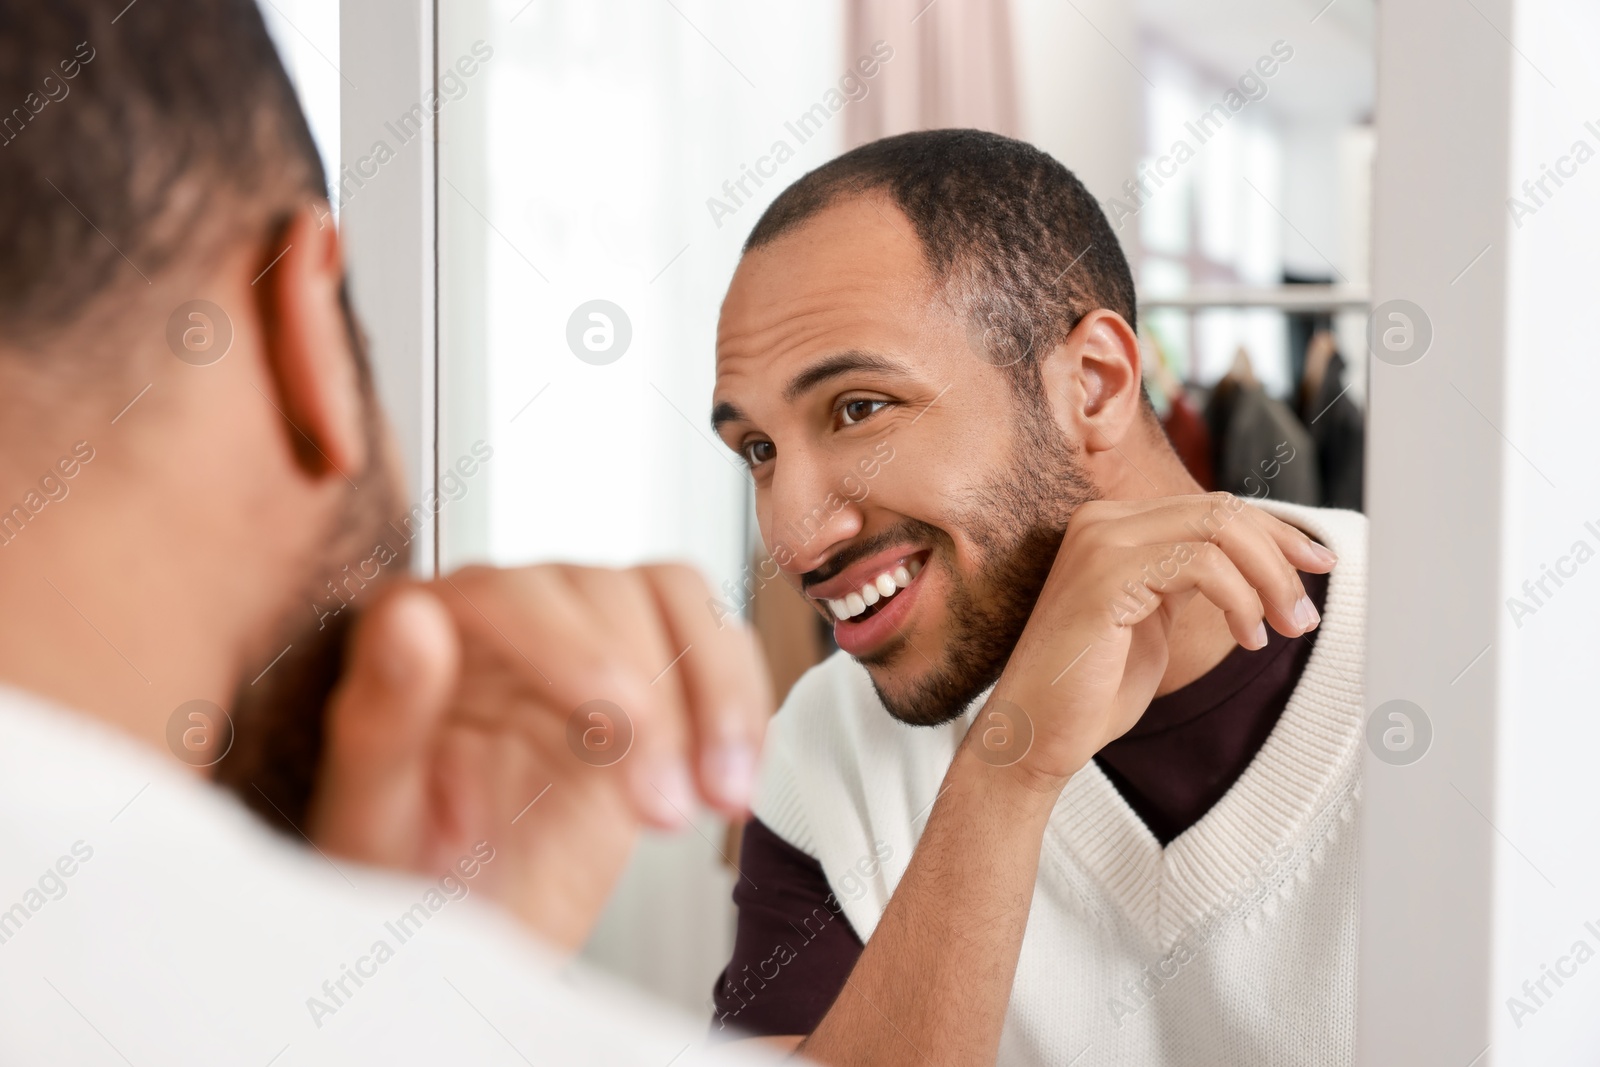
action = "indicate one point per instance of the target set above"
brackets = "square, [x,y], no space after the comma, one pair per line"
[1096,646]
[551,711]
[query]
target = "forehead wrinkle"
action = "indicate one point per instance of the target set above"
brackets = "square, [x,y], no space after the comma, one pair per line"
[804,324]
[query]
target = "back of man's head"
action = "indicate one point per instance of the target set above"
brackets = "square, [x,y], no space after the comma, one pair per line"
[154,159]
[135,141]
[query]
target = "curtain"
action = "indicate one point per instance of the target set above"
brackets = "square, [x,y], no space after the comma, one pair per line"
[952,66]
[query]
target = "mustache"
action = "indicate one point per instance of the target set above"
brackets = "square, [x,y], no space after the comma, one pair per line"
[909,530]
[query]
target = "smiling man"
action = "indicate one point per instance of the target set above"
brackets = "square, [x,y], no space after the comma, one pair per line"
[1075,788]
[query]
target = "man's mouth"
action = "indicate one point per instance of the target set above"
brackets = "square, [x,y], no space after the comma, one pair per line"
[869,602]
[864,602]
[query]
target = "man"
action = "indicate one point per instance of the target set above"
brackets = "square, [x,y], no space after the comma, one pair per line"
[196,482]
[1074,789]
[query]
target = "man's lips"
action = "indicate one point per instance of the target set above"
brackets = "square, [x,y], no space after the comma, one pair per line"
[862,585]
[874,627]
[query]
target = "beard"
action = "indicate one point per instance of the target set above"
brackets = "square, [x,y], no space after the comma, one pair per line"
[1016,524]
[277,718]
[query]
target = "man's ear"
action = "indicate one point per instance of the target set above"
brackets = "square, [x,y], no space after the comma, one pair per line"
[307,346]
[1093,380]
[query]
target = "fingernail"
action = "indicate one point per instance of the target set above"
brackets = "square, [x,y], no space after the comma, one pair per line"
[1323,553]
[669,794]
[1261,637]
[730,772]
[1305,614]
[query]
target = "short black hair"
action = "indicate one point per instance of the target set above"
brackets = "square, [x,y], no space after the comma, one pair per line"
[133,136]
[1007,229]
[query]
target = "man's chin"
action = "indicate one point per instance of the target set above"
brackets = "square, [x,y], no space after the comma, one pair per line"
[932,697]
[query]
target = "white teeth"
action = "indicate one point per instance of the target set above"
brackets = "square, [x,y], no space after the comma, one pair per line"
[880,588]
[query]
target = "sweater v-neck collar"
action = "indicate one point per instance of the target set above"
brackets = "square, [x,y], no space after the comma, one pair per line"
[1303,768]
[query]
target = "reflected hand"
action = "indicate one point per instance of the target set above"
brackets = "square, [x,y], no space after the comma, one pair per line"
[1096,645]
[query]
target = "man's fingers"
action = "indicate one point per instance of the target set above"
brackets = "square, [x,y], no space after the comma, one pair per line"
[695,696]
[373,781]
[554,628]
[540,630]
[1174,572]
[727,692]
[1201,517]
[1269,553]
[1302,551]
[586,642]
[627,621]
[1258,556]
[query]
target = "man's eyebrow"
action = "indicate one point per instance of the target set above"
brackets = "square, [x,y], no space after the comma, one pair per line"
[726,412]
[834,366]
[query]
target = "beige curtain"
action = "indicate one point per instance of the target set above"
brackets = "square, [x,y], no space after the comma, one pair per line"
[952,66]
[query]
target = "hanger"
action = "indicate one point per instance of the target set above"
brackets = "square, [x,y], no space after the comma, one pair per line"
[1320,351]
[1241,371]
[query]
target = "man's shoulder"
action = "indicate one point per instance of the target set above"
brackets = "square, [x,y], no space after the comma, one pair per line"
[140,896]
[140,828]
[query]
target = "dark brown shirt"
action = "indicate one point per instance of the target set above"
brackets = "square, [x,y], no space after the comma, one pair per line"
[794,948]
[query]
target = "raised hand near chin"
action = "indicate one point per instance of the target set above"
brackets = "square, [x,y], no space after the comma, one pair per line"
[550,711]
[1096,645]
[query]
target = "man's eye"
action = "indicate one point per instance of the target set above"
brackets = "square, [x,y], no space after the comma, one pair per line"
[856,410]
[758,452]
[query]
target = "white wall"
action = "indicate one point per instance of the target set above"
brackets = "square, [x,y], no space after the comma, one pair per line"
[1081,98]
[1547,806]
[1478,862]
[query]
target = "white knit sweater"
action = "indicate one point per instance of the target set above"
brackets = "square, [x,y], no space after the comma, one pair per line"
[1235,945]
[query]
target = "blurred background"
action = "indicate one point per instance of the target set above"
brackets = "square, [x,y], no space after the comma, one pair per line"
[619,151]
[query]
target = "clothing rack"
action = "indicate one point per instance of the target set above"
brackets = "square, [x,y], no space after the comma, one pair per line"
[1235,437]
[1302,298]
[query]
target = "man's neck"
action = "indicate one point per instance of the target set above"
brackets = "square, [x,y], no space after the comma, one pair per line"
[1145,469]
[1200,640]
[98,608]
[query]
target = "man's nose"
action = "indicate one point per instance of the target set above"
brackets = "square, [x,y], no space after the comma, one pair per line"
[809,514]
